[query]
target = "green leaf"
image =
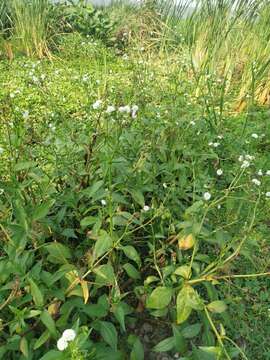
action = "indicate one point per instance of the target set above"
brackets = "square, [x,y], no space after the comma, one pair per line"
[24,165]
[58,253]
[217,306]
[88,220]
[132,271]
[105,275]
[53,355]
[137,352]
[42,339]
[40,211]
[159,298]
[137,196]
[36,293]
[191,331]
[132,254]
[180,342]
[90,191]
[119,314]
[165,345]
[109,334]
[102,245]
[48,321]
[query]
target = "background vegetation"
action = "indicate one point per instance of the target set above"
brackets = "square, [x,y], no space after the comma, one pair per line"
[135,180]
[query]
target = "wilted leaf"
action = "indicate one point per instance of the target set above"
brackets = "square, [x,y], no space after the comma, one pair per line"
[186,242]
[85,290]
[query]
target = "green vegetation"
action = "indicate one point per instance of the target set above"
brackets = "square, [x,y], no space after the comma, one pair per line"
[135,180]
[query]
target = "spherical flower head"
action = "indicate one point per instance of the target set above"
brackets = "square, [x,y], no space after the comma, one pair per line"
[110,109]
[124,109]
[103,202]
[256,182]
[245,164]
[69,335]
[267,194]
[25,114]
[255,136]
[216,144]
[241,158]
[260,173]
[268,173]
[207,196]
[192,123]
[219,172]
[97,104]
[62,344]
[146,208]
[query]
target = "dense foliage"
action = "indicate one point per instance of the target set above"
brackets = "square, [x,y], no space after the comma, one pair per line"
[134,193]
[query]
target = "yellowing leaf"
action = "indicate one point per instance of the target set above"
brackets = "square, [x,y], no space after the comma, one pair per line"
[85,290]
[24,346]
[187,299]
[54,308]
[217,306]
[183,271]
[186,242]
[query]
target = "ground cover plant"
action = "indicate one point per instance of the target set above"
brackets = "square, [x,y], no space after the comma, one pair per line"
[135,181]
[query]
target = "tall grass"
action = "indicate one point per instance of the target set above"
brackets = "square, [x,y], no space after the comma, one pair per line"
[31,21]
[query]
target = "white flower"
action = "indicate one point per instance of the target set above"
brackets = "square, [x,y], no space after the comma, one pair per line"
[146,208]
[1,191]
[1,150]
[245,164]
[260,173]
[42,76]
[103,202]
[62,344]
[164,185]
[97,104]
[255,136]
[207,196]
[192,123]
[216,144]
[69,335]
[210,144]
[124,109]
[267,194]
[25,114]
[267,173]
[219,206]
[256,182]
[249,157]
[219,172]
[110,109]
[220,136]
[134,109]
[241,158]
